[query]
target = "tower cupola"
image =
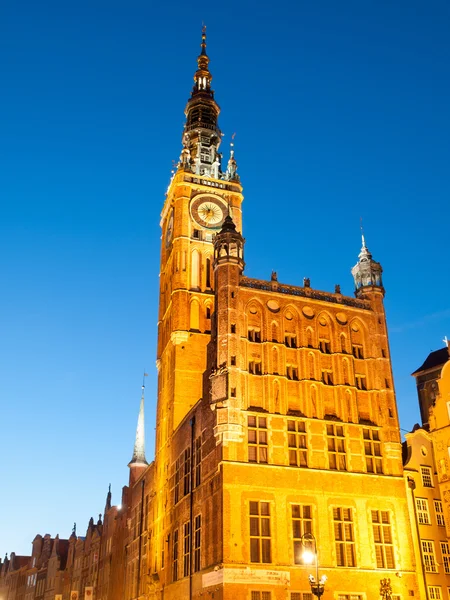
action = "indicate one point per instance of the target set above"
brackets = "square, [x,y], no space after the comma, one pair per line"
[367,272]
[201,135]
[229,245]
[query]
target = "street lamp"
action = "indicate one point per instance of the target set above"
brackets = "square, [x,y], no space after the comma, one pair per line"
[309,555]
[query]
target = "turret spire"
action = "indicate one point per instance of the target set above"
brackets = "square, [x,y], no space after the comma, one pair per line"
[231,173]
[139,459]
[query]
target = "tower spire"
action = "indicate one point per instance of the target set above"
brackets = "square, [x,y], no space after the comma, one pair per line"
[201,135]
[202,77]
[138,459]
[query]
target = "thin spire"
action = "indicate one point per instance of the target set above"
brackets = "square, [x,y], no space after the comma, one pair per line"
[139,459]
[202,76]
[203,44]
[108,499]
[362,233]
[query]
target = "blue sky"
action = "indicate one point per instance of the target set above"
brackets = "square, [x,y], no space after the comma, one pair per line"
[340,111]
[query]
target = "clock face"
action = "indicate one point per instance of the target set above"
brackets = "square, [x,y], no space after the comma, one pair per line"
[208,212]
[169,230]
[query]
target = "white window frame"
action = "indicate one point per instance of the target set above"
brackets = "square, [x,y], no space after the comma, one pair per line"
[423,514]
[445,552]
[439,512]
[426,472]
[429,556]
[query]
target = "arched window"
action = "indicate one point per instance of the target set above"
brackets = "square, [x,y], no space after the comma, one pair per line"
[343,343]
[346,372]
[195,270]
[275,361]
[311,366]
[195,315]
[208,312]
[309,338]
[208,272]
[274,332]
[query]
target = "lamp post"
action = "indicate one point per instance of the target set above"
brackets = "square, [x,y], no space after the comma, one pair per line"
[309,555]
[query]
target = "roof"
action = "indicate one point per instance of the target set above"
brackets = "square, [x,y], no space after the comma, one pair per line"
[437,358]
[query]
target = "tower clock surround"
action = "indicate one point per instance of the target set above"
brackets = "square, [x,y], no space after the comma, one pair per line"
[208,211]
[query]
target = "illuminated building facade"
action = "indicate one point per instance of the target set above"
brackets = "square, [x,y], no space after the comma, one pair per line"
[276,418]
[276,413]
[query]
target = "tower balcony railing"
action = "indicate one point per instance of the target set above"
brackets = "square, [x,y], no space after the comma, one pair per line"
[201,125]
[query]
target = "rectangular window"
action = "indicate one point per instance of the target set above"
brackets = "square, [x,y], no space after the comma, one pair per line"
[298,454]
[254,335]
[327,377]
[301,596]
[325,346]
[290,340]
[427,477]
[198,460]
[382,534]
[439,511]
[175,555]
[423,516]
[429,556]
[434,592]
[260,532]
[254,367]
[350,597]
[372,449]
[301,524]
[291,372]
[357,351]
[187,471]
[257,439]
[336,447]
[197,542]
[187,549]
[177,477]
[255,595]
[344,537]
[360,381]
[445,551]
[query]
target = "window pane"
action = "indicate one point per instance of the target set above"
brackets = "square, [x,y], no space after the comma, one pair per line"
[265,545]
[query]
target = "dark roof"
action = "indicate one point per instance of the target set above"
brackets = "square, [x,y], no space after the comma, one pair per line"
[437,358]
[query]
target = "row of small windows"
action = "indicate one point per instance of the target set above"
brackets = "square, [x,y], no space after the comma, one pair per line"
[423,513]
[187,559]
[255,368]
[260,534]
[429,556]
[264,595]
[187,471]
[290,340]
[258,443]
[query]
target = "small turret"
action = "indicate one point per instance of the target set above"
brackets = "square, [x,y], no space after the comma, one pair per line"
[231,173]
[229,245]
[367,272]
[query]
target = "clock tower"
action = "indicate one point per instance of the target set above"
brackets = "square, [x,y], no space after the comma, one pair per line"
[199,198]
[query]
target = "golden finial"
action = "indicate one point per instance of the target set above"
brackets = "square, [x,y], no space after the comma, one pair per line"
[203,44]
